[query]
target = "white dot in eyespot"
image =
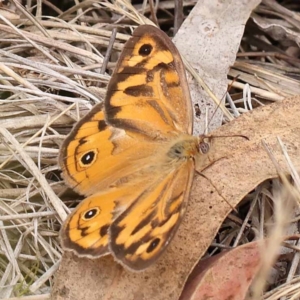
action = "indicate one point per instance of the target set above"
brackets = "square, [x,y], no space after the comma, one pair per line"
[88,158]
[91,213]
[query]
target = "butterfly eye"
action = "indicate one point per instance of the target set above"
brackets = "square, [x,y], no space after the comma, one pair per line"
[88,158]
[153,245]
[145,50]
[91,213]
[204,147]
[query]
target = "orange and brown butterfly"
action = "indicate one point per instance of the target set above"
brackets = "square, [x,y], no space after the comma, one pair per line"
[133,157]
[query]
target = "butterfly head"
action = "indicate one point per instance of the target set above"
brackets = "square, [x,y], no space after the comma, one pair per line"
[204,144]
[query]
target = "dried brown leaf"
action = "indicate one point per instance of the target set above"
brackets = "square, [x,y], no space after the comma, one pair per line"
[239,166]
[227,275]
[209,39]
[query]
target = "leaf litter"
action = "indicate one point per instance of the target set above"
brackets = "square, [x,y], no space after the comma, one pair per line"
[50,72]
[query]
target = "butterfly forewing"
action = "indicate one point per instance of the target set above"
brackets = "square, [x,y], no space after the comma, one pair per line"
[80,152]
[148,92]
[95,154]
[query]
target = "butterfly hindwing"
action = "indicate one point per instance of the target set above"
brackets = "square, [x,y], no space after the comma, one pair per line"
[86,229]
[141,233]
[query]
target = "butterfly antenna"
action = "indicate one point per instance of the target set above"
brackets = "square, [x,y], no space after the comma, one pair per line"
[229,136]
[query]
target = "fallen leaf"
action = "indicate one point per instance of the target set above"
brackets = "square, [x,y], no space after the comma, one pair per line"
[239,166]
[209,39]
[227,275]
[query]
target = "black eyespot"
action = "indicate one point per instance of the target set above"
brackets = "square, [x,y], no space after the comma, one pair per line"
[204,147]
[153,245]
[91,213]
[145,50]
[88,158]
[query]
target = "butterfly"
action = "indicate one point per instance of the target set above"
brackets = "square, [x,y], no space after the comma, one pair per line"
[133,157]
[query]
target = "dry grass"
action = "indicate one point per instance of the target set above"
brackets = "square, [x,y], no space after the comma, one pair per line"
[51,74]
